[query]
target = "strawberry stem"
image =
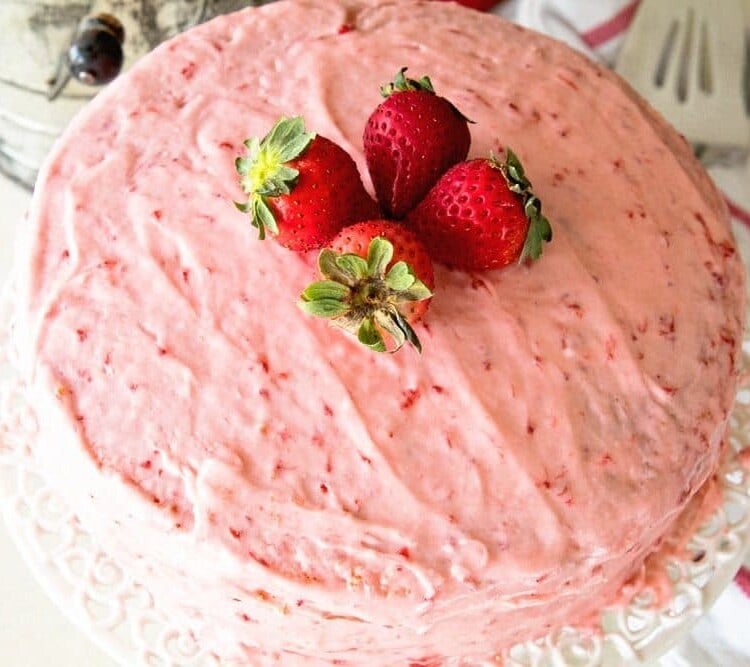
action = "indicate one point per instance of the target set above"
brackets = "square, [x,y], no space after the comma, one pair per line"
[264,172]
[540,230]
[401,83]
[363,297]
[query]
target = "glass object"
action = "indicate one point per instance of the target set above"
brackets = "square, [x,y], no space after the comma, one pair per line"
[35,35]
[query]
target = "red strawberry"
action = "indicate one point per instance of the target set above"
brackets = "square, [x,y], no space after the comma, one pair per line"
[377,281]
[302,187]
[410,140]
[482,215]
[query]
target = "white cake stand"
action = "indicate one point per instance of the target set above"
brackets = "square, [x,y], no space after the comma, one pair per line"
[123,619]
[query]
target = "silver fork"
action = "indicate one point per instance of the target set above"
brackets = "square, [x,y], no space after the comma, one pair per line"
[689,59]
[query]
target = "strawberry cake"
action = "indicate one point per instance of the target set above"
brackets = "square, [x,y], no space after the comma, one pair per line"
[297,499]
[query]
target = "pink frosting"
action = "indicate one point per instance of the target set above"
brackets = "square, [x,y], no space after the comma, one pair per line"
[299,499]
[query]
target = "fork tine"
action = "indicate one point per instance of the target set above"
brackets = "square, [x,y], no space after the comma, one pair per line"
[676,77]
[704,76]
[650,25]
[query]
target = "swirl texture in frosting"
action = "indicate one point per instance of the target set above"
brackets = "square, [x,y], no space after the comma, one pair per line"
[300,499]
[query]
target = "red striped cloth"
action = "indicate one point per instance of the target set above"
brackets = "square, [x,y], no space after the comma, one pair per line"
[612,27]
[738,213]
[743,580]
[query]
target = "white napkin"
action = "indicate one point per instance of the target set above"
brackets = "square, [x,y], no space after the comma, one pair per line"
[597,27]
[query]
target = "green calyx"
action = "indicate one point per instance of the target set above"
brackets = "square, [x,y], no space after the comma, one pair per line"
[401,83]
[364,297]
[264,172]
[540,230]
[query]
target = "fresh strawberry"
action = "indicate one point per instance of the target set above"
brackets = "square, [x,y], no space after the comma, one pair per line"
[410,140]
[377,281]
[482,215]
[302,187]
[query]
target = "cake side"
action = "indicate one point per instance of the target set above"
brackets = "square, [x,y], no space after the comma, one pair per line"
[349,499]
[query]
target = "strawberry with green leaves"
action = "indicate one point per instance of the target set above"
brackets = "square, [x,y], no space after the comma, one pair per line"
[410,140]
[482,214]
[377,282]
[301,187]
